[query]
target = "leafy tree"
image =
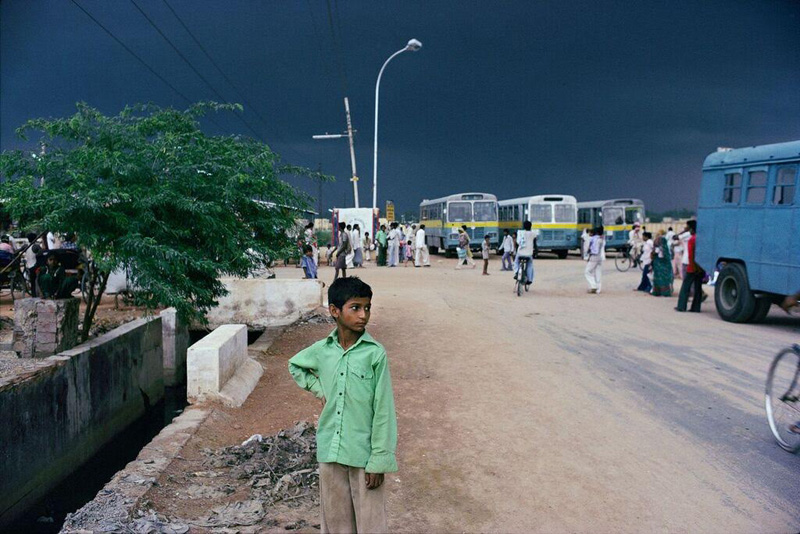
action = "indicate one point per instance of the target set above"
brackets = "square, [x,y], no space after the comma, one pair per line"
[147,191]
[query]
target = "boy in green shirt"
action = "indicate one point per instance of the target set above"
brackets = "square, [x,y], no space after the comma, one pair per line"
[357,432]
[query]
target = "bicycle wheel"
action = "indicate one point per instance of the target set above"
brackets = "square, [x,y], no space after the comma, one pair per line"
[19,289]
[622,262]
[782,397]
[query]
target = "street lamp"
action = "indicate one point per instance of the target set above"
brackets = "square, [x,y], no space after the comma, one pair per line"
[412,46]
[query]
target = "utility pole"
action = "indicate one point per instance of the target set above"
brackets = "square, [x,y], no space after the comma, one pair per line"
[319,191]
[349,135]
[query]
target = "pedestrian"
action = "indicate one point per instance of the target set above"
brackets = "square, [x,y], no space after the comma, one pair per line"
[670,234]
[394,245]
[585,236]
[351,254]
[662,267]
[5,245]
[469,240]
[684,237]
[635,243]
[421,258]
[357,429]
[311,240]
[508,250]
[31,261]
[368,247]
[342,251]
[594,265]
[383,245]
[485,254]
[525,241]
[647,263]
[307,262]
[329,253]
[409,252]
[358,251]
[463,246]
[677,256]
[694,275]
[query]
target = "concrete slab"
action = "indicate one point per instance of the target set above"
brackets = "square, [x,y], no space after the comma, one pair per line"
[214,360]
[242,383]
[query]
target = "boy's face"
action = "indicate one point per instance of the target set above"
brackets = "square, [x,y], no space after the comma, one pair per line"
[354,315]
[52,262]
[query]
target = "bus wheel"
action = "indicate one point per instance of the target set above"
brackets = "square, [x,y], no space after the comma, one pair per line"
[562,254]
[735,302]
[760,310]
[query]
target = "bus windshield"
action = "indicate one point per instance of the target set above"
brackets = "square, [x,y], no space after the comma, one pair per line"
[566,213]
[459,212]
[633,215]
[541,213]
[485,211]
[612,216]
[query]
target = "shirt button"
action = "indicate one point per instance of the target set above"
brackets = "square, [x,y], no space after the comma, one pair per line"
[341,374]
[340,393]
[338,413]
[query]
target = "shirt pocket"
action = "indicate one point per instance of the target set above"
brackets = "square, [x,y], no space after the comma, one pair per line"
[361,383]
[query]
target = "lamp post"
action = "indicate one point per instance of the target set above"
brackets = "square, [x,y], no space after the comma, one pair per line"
[413,45]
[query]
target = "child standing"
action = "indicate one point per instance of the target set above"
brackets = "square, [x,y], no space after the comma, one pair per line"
[307,262]
[485,255]
[357,433]
[409,252]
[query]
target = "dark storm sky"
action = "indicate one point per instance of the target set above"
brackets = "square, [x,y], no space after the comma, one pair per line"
[595,99]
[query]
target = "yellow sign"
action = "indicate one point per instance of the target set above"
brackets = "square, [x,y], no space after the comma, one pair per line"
[389,211]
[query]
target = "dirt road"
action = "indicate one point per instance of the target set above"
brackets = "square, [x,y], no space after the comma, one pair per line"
[562,411]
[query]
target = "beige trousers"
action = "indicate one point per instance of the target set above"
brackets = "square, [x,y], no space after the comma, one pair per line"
[347,505]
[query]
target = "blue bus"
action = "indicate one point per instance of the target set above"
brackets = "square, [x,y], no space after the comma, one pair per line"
[554,219]
[616,216]
[443,217]
[748,224]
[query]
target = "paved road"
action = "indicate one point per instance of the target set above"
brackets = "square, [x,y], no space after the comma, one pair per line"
[563,411]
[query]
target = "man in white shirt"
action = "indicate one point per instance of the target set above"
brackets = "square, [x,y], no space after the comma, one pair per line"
[421,253]
[394,245]
[525,239]
[594,265]
[508,249]
[585,237]
[635,240]
[670,233]
[647,263]
[358,250]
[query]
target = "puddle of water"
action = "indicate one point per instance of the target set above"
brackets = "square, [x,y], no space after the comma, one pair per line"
[82,485]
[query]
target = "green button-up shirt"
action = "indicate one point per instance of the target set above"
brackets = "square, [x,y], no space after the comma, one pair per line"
[358,426]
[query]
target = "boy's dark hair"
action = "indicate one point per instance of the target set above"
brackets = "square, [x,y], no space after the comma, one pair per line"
[366,233]
[383,227]
[647,235]
[598,230]
[486,237]
[422,226]
[307,249]
[692,225]
[344,289]
[355,226]
[527,225]
[505,230]
[342,226]
[670,229]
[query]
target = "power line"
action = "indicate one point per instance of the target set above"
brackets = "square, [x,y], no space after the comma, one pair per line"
[140,60]
[185,60]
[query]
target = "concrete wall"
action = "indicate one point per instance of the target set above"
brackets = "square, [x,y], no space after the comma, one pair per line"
[213,360]
[53,420]
[176,343]
[261,303]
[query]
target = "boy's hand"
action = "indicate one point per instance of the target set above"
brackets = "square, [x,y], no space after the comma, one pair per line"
[374,480]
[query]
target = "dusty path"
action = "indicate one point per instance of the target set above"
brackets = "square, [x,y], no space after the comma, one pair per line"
[562,411]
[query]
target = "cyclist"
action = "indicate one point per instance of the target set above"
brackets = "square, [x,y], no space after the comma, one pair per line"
[788,303]
[635,242]
[525,239]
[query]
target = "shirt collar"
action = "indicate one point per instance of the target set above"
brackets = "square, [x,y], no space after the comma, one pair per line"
[365,338]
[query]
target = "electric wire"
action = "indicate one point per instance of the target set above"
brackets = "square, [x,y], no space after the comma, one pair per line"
[189,63]
[140,60]
[227,79]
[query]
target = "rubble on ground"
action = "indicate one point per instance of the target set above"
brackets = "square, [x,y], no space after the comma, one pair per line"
[281,468]
[318,318]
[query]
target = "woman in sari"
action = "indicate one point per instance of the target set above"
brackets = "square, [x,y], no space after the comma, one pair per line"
[662,267]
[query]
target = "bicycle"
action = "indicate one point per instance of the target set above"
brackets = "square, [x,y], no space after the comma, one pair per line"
[624,260]
[782,398]
[521,277]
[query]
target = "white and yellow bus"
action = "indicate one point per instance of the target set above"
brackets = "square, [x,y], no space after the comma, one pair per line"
[554,219]
[616,216]
[443,217]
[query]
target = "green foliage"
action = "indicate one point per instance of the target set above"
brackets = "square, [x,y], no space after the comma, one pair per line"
[323,237]
[146,190]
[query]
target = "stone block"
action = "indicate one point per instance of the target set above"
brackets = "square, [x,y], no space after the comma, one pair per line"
[175,340]
[43,327]
[43,337]
[213,360]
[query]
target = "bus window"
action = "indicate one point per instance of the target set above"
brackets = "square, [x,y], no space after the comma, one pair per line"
[565,213]
[733,188]
[612,216]
[784,186]
[459,212]
[756,187]
[633,216]
[541,213]
[485,211]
